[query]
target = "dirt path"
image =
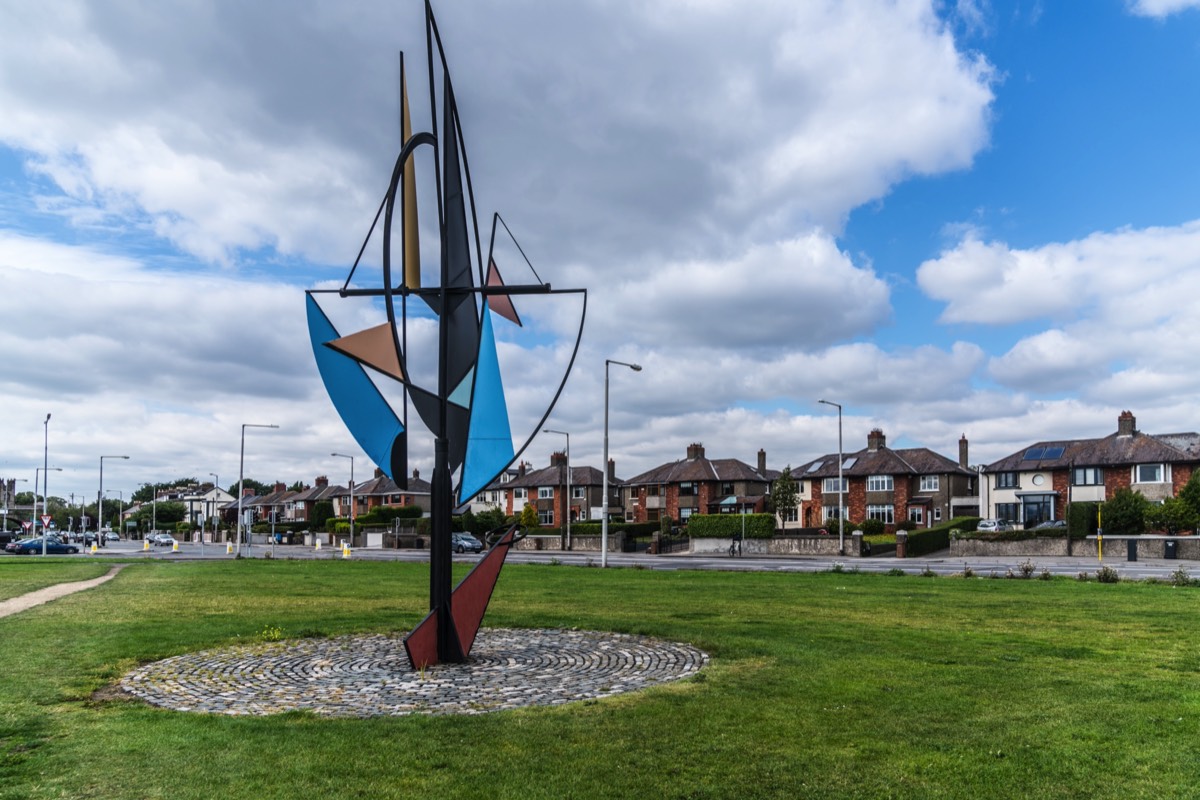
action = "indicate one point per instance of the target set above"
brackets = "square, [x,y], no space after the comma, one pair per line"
[29,600]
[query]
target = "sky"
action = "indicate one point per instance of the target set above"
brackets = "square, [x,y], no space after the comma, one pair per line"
[974,218]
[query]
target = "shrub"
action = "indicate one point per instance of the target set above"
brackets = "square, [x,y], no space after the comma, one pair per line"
[872,527]
[928,573]
[1107,574]
[1180,577]
[1125,513]
[895,572]
[1027,567]
[967,571]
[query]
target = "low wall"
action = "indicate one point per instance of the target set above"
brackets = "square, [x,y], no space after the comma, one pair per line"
[777,546]
[1186,547]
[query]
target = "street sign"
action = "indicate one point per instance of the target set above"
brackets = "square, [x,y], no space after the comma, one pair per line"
[46,520]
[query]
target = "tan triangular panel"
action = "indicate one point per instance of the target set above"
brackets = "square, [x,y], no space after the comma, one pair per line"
[374,347]
[500,303]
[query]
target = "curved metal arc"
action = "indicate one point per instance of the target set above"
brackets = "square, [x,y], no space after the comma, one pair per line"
[558,393]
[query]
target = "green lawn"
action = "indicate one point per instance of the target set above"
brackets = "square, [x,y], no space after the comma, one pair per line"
[21,574]
[820,685]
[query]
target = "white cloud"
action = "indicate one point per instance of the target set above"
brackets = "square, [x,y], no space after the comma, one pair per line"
[1161,8]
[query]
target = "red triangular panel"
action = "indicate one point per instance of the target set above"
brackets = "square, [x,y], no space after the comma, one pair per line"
[501,304]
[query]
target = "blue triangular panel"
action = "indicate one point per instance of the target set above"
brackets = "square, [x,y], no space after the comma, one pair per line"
[367,415]
[462,395]
[489,443]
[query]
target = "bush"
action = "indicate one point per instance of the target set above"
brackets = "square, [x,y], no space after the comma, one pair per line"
[872,527]
[727,526]
[1107,574]
[1125,513]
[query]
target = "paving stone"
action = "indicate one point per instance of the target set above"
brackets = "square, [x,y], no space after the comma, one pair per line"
[365,676]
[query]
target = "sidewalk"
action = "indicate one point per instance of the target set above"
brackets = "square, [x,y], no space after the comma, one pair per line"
[29,600]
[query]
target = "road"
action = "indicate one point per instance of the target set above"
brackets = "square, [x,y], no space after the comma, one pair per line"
[937,563]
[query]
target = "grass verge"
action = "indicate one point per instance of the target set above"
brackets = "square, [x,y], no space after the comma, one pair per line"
[821,685]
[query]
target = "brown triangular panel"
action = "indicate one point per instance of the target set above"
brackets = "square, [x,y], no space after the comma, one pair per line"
[374,347]
[501,304]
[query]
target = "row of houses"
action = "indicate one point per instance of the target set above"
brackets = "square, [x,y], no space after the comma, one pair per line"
[914,484]
[1033,485]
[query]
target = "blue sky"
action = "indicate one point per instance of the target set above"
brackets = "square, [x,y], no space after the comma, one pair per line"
[954,218]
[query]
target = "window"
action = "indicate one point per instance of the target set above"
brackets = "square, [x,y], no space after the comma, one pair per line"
[885,514]
[1006,480]
[1008,512]
[791,515]
[829,512]
[689,489]
[1148,473]
[937,515]
[727,488]
[916,514]
[831,485]
[520,494]
[929,483]
[545,493]
[652,491]
[879,483]
[685,514]
[546,517]
[849,462]
[578,492]
[1087,476]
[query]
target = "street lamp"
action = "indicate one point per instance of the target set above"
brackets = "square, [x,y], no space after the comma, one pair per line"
[564,433]
[340,455]
[213,514]
[241,482]
[46,479]
[45,509]
[100,501]
[841,483]
[604,512]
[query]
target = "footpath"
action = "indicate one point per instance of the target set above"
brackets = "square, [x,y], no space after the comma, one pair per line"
[29,600]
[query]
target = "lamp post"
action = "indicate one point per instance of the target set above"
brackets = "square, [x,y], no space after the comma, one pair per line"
[340,455]
[100,501]
[241,482]
[604,512]
[46,479]
[564,433]
[213,515]
[841,483]
[45,510]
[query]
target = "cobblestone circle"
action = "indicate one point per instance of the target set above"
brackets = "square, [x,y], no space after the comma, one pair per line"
[365,676]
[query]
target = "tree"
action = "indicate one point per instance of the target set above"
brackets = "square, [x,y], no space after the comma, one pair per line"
[298,486]
[322,512]
[1190,493]
[784,494]
[1124,514]
[529,517]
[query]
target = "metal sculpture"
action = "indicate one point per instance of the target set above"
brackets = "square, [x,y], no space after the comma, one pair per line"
[466,410]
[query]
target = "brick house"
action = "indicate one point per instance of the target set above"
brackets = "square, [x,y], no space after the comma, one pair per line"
[1036,483]
[381,490]
[890,485]
[302,503]
[699,485]
[547,490]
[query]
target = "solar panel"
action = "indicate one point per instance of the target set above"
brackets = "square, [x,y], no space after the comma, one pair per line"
[1053,452]
[1035,453]
[815,466]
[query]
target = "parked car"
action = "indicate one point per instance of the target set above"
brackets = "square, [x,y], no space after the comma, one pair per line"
[163,540]
[1050,523]
[111,536]
[31,546]
[986,525]
[462,542]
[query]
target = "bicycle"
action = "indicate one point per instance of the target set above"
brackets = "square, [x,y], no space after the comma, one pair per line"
[735,547]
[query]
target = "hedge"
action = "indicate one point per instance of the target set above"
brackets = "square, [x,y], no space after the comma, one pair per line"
[930,540]
[727,526]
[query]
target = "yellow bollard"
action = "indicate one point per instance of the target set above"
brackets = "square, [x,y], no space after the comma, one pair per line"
[93,548]
[318,547]
[145,545]
[345,550]
[175,547]
[229,548]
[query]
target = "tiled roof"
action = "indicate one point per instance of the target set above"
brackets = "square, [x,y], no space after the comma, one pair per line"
[699,469]
[882,461]
[555,475]
[1112,450]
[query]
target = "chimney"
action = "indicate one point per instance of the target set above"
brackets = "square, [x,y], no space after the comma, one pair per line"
[962,451]
[1126,424]
[558,459]
[521,470]
[612,471]
[876,440]
[322,481]
[378,472]
[280,487]
[248,491]
[416,474]
[762,462]
[695,451]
